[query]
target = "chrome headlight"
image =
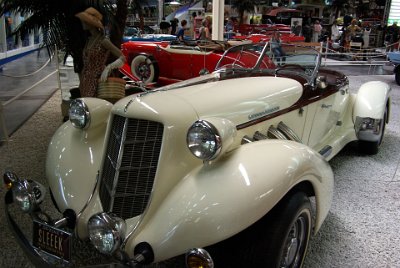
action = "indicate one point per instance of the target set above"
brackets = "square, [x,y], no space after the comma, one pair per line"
[211,138]
[106,232]
[79,114]
[203,140]
[198,257]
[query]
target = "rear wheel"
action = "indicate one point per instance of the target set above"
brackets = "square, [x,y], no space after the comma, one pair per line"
[397,74]
[145,68]
[279,239]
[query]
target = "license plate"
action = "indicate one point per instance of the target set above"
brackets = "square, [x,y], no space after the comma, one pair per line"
[52,240]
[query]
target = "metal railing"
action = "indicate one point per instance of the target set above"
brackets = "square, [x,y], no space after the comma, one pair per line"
[3,126]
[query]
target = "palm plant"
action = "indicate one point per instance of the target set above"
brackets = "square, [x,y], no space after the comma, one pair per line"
[59,26]
[244,5]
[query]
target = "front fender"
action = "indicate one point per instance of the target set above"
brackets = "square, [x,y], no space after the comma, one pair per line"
[74,157]
[371,100]
[220,199]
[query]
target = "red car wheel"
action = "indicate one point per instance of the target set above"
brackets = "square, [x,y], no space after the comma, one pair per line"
[145,68]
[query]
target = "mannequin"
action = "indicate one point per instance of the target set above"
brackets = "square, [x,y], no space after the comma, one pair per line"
[95,53]
[366,32]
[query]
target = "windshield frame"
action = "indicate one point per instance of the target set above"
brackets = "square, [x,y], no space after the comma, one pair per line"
[266,48]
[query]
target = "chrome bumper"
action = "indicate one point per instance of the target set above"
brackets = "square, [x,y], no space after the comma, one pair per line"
[33,254]
[368,129]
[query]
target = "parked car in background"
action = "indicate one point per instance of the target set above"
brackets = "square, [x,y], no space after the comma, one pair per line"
[257,38]
[229,168]
[131,32]
[247,29]
[150,37]
[394,57]
[166,63]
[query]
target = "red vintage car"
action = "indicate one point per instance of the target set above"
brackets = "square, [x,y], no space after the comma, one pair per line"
[261,38]
[165,63]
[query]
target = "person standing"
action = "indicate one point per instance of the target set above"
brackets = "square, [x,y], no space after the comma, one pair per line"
[204,32]
[317,29]
[164,26]
[335,34]
[174,25]
[392,36]
[181,31]
[296,28]
[276,47]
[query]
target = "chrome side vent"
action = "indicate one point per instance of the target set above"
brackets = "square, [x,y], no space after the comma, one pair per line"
[259,136]
[288,132]
[274,133]
[130,166]
[282,132]
[246,139]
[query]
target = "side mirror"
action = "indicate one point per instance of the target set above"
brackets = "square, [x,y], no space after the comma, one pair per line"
[321,82]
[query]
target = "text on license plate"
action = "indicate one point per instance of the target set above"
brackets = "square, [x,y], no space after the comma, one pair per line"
[52,240]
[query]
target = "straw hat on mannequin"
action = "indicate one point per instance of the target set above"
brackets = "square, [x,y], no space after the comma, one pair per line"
[96,52]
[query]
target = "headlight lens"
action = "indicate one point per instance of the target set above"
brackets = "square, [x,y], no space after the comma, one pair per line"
[28,194]
[79,114]
[203,140]
[106,232]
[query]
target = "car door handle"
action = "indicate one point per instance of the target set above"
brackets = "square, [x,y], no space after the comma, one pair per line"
[326,105]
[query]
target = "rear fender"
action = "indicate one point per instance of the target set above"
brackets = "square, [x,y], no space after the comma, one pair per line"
[371,100]
[74,157]
[220,199]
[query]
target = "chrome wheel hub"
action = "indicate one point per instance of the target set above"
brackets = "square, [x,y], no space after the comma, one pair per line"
[294,242]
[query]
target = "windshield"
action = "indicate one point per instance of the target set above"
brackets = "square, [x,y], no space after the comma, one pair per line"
[265,57]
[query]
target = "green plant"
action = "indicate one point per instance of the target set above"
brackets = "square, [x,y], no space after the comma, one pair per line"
[59,26]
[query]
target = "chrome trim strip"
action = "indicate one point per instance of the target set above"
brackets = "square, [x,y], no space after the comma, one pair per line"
[326,151]
[118,166]
[87,202]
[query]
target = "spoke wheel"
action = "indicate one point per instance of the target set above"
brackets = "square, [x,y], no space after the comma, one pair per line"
[397,75]
[145,68]
[279,239]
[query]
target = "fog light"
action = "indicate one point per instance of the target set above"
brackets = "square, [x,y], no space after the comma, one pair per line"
[106,232]
[198,258]
[27,194]
[22,198]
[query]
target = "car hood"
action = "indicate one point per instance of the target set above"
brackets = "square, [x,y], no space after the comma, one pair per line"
[241,100]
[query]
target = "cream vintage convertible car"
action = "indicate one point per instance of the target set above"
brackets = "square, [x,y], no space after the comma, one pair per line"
[220,168]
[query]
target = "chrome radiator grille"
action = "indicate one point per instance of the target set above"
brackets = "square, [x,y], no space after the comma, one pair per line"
[130,166]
